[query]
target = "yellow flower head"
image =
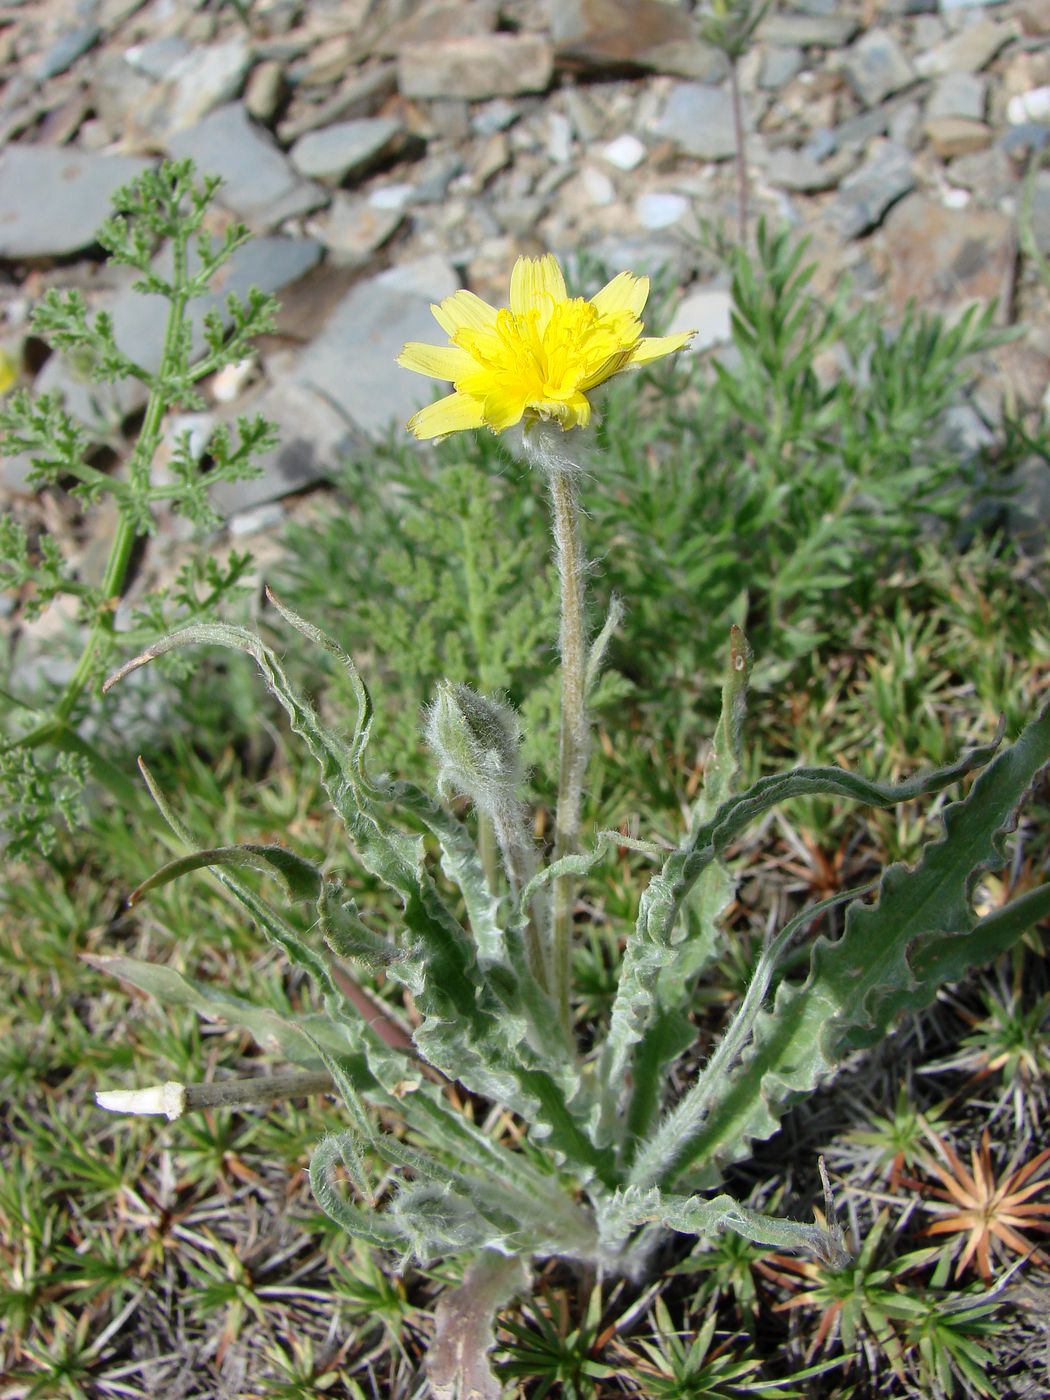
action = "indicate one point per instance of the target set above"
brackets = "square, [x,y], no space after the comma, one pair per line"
[536,359]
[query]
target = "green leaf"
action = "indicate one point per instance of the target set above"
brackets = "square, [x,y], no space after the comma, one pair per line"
[299,878]
[274,1033]
[892,957]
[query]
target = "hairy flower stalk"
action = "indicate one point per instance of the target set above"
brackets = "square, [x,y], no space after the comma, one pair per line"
[533,364]
[542,445]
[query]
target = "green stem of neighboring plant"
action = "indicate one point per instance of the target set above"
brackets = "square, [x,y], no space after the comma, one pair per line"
[573,736]
[740,141]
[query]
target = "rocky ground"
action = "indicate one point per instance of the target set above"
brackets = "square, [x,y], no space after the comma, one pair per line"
[387,152]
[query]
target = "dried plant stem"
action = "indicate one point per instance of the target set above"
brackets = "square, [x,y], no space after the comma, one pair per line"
[173,1100]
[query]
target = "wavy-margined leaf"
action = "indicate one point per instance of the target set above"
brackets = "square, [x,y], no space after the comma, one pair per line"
[892,957]
[650,948]
[670,1031]
[697,1215]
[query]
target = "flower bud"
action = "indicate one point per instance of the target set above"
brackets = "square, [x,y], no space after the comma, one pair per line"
[478,744]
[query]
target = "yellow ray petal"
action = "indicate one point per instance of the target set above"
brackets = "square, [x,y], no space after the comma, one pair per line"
[448,415]
[464,309]
[439,361]
[624,293]
[653,347]
[534,283]
[503,410]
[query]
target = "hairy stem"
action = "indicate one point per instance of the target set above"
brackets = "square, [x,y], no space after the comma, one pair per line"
[574,738]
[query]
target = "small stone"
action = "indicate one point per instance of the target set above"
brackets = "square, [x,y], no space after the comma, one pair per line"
[437,22]
[953,198]
[799,172]
[699,120]
[865,195]
[394,197]
[206,78]
[346,149]
[956,136]
[989,173]
[657,209]
[353,228]
[494,156]
[958,95]
[1035,17]
[626,152]
[71,192]
[1031,106]
[158,59]
[496,115]
[359,96]
[966,52]
[265,91]
[708,312]
[945,258]
[258,184]
[66,50]
[949,6]
[1021,141]
[597,186]
[253,522]
[228,385]
[808,31]
[559,138]
[779,65]
[617,35]
[877,67]
[476,67]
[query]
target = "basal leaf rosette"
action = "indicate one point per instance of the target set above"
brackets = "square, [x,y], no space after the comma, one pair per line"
[537,359]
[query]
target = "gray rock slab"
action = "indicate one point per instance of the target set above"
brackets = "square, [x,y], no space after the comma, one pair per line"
[816,31]
[139,323]
[865,195]
[968,51]
[65,51]
[699,119]
[315,438]
[207,77]
[337,152]
[799,172]
[707,311]
[158,58]
[780,63]
[259,185]
[352,361]
[876,67]
[476,67]
[360,96]
[958,95]
[53,199]
[353,228]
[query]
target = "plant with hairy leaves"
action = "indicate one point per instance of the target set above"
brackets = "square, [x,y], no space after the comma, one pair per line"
[163,208]
[463,994]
